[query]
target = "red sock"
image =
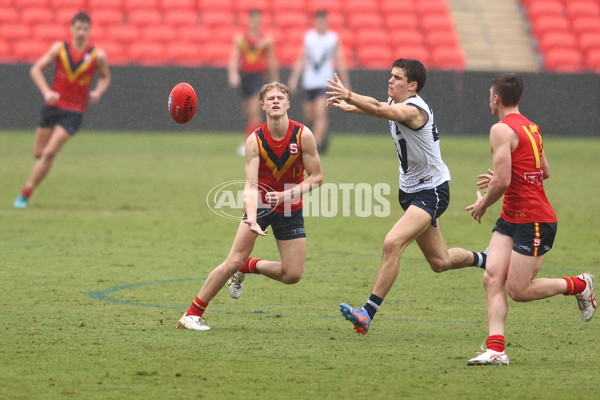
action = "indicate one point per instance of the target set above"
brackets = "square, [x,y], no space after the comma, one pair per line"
[249,266]
[26,192]
[197,308]
[496,343]
[575,285]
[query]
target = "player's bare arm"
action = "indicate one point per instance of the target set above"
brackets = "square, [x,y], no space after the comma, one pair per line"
[233,72]
[251,186]
[37,73]
[502,140]
[104,77]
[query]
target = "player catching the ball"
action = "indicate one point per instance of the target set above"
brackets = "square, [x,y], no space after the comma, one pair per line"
[527,225]
[66,101]
[277,155]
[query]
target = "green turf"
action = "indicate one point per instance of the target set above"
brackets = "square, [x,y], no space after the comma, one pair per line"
[117,241]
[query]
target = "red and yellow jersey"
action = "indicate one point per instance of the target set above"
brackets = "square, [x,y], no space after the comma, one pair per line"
[525,200]
[254,57]
[281,165]
[73,76]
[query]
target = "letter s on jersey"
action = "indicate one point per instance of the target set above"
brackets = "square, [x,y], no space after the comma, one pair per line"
[293,148]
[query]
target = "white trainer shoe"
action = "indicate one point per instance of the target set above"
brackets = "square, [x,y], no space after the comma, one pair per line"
[235,284]
[586,300]
[490,357]
[192,322]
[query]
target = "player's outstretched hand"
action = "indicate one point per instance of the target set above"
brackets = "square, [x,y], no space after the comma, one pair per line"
[477,209]
[255,228]
[485,179]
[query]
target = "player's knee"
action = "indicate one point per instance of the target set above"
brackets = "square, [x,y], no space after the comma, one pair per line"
[438,266]
[291,279]
[516,294]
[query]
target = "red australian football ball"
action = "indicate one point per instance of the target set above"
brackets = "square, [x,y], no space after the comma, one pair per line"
[182,103]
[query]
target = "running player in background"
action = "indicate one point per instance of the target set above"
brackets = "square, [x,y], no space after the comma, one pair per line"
[424,192]
[321,55]
[66,101]
[251,65]
[277,155]
[527,225]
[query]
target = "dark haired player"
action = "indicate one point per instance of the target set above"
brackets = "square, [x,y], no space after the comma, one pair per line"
[277,155]
[66,101]
[424,191]
[527,225]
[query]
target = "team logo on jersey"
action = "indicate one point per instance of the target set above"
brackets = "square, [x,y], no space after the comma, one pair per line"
[293,148]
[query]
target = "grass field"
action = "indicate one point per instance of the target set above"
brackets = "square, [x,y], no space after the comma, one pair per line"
[117,241]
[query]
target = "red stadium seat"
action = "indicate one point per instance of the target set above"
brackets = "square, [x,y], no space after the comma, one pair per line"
[287,5]
[223,5]
[348,38]
[70,4]
[22,4]
[289,37]
[566,60]
[287,55]
[589,41]
[401,21]
[123,33]
[395,7]
[331,6]
[585,24]
[440,22]
[29,51]
[408,36]
[8,15]
[63,16]
[177,18]
[550,23]
[442,38]
[592,61]
[145,17]
[448,58]
[115,52]
[361,6]
[178,5]
[105,4]
[375,57]
[106,17]
[537,8]
[367,37]
[196,34]
[148,53]
[15,31]
[216,54]
[6,55]
[137,5]
[364,20]
[98,33]
[217,18]
[415,52]
[185,54]
[37,15]
[553,40]
[432,7]
[159,33]
[246,5]
[336,21]
[50,32]
[291,19]
[582,8]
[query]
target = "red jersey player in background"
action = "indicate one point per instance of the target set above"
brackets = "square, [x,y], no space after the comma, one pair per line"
[66,101]
[251,65]
[277,155]
[527,224]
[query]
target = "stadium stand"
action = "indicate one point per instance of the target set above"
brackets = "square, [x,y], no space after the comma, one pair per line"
[521,35]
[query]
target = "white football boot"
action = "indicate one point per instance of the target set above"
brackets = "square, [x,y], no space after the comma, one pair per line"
[490,357]
[586,300]
[235,284]
[193,323]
